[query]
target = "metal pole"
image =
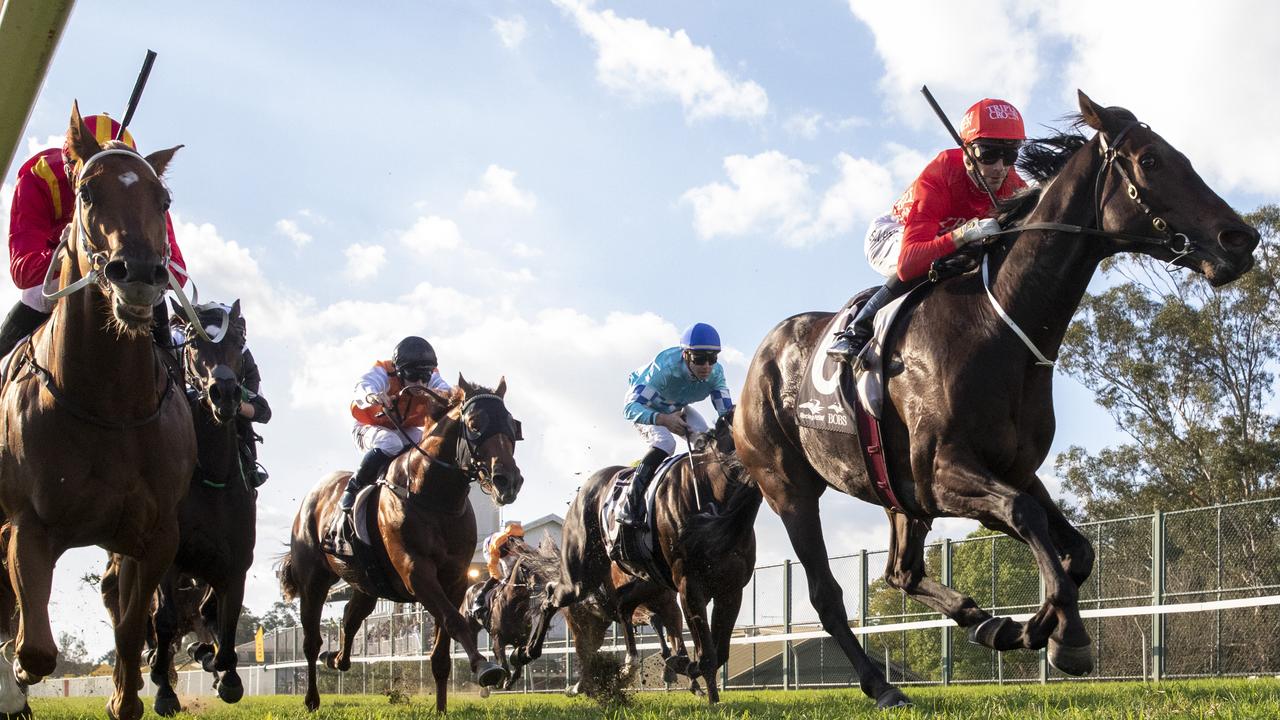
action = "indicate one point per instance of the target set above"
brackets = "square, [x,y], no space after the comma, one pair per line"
[946,629]
[29,35]
[786,623]
[1044,654]
[1157,595]
[1217,615]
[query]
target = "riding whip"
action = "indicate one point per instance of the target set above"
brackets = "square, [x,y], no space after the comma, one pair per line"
[137,91]
[964,148]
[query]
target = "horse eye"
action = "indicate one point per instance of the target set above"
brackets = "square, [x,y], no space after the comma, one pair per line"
[1149,162]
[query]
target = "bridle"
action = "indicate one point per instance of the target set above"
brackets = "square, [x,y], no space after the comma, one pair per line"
[1176,242]
[469,441]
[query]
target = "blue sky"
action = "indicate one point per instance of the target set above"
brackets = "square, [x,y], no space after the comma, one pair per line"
[552,190]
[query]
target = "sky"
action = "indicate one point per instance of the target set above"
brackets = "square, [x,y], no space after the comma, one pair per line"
[551,191]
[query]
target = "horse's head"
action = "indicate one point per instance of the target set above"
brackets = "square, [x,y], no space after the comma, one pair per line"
[215,368]
[1146,187]
[120,218]
[717,443]
[489,438]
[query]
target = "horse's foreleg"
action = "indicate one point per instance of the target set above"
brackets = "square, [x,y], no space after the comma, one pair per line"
[138,580]
[723,616]
[443,605]
[165,620]
[975,493]
[358,608]
[230,599]
[109,586]
[694,603]
[1074,549]
[31,561]
[631,665]
[804,527]
[441,664]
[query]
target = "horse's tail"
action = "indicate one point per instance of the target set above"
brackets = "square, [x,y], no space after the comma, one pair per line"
[709,536]
[285,570]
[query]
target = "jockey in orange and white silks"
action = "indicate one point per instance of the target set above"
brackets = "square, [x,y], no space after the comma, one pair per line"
[378,399]
[499,551]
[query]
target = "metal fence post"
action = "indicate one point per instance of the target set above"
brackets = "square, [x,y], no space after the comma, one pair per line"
[786,623]
[946,629]
[1157,595]
[1044,653]
[862,588]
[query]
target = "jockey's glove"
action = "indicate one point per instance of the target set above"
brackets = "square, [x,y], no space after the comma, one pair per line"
[973,231]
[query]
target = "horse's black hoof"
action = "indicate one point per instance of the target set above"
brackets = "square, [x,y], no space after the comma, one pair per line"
[678,664]
[167,704]
[490,674]
[521,657]
[997,633]
[892,698]
[1071,660]
[203,654]
[312,703]
[230,689]
[328,659]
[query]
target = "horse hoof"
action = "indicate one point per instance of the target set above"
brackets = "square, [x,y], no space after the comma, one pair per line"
[167,704]
[1071,660]
[312,703]
[230,689]
[484,692]
[997,633]
[328,659]
[574,691]
[203,654]
[490,674]
[892,698]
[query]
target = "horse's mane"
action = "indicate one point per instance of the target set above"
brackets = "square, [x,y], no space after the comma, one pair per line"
[1041,160]
[542,565]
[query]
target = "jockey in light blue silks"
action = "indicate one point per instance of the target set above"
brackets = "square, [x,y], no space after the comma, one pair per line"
[658,401]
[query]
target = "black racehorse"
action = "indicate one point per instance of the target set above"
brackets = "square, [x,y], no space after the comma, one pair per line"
[704,511]
[968,417]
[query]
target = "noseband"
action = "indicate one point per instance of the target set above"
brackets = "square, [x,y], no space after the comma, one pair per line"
[1177,242]
[469,441]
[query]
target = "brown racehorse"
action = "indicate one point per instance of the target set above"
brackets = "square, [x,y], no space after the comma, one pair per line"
[429,533]
[216,518]
[968,417]
[98,445]
[710,549]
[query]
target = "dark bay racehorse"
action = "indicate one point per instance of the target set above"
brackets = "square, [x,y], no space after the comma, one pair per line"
[710,555]
[98,445]
[969,416]
[510,615]
[429,533]
[216,518]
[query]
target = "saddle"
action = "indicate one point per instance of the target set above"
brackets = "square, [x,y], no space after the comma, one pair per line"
[634,548]
[355,539]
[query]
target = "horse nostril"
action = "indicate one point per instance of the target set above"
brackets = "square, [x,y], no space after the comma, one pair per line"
[159,274]
[117,271]
[1238,239]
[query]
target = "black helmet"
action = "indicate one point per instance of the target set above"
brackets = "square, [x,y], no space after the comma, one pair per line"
[414,352]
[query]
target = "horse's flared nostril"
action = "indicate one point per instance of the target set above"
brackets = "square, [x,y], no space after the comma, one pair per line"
[117,271]
[1238,239]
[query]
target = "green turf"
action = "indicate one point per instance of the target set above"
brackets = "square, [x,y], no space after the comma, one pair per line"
[1198,699]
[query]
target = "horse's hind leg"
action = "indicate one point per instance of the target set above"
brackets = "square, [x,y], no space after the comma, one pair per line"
[905,571]
[694,603]
[724,614]
[310,605]
[357,609]
[974,493]
[804,526]
[441,664]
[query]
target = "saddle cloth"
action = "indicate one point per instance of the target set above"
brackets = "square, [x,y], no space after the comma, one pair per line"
[825,400]
[356,540]
[634,548]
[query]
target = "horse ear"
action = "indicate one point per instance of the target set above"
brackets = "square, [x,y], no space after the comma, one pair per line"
[235,310]
[177,308]
[462,383]
[1096,116]
[501,391]
[80,142]
[159,160]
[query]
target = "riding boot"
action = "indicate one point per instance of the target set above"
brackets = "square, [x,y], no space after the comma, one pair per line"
[371,465]
[632,512]
[21,321]
[850,343]
[478,604]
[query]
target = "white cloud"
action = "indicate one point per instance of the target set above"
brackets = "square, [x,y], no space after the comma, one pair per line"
[1213,100]
[431,234]
[34,146]
[524,250]
[647,62]
[290,229]
[364,261]
[766,189]
[498,187]
[805,124]
[511,31]
[770,193]
[936,45]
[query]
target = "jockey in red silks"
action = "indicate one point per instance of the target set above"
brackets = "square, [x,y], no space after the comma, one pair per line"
[945,209]
[43,203]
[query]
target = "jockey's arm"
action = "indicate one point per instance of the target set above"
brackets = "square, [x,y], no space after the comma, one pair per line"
[259,410]
[921,243]
[721,400]
[644,389]
[374,382]
[33,232]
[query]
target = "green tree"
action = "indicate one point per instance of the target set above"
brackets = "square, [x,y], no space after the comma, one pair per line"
[1186,371]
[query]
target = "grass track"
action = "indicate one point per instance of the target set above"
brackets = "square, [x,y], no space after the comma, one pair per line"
[1198,700]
